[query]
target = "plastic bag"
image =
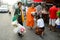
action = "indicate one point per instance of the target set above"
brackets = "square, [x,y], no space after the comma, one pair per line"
[15,30]
[14,23]
[20,29]
[57,22]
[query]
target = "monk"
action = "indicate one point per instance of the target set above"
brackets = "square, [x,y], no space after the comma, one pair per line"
[30,17]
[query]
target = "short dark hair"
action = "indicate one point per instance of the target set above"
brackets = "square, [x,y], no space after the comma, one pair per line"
[19,3]
[38,17]
[39,3]
[32,3]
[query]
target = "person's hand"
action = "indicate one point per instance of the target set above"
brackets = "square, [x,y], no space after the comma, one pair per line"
[33,13]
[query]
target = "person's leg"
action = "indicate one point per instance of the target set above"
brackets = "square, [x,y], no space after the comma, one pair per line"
[20,20]
[32,24]
[19,34]
[53,24]
[21,23]
[37,31]
[43,31]
[31,27]
[50,24]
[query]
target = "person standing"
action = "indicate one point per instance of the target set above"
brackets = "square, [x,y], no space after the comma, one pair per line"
[30,16]
[52,16]
[58,19]
[39,9]
[18,11]
[19,16]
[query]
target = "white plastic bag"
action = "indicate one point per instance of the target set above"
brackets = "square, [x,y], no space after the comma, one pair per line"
[20,29]
[15,30]
[57,22]
[14,23]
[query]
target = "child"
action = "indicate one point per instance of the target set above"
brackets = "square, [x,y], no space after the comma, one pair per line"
[58,19]
[40,26]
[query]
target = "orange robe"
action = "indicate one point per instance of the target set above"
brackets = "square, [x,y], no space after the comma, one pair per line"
[29,17]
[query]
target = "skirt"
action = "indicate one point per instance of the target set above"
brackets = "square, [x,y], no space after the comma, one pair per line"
[39,31]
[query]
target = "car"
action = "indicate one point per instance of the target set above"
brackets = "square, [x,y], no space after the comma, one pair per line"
[4,8]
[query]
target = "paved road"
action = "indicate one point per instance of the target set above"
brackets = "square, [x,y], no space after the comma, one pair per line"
[6,31]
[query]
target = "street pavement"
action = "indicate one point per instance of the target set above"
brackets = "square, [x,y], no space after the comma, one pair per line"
[6,31]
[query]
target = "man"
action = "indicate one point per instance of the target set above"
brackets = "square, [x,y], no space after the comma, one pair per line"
[39,9]
[19,15]
[19,12]
[30,17]
[52,16]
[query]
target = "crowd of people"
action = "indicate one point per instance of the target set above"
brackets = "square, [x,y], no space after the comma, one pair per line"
[36,12]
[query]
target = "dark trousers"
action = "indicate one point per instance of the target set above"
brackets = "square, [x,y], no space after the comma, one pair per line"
[20,20]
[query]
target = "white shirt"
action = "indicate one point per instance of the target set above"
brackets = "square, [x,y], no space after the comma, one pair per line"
[40,22]
[57,22]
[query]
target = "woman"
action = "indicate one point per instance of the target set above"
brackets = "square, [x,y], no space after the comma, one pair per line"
[30,17]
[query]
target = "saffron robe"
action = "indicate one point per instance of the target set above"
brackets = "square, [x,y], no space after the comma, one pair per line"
[30,17]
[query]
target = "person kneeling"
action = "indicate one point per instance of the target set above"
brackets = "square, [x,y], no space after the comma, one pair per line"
[40,26]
